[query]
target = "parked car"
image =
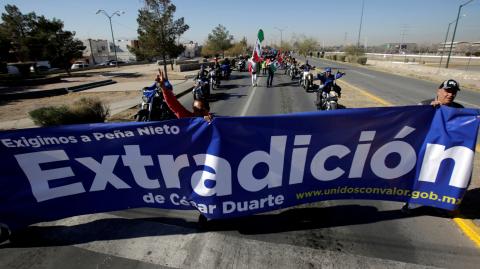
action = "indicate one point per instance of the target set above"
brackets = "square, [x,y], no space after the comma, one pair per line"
[114,62]
[79,65]
[42,66]
[106,63]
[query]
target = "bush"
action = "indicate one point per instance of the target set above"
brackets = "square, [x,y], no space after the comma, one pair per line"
[334,57]
[90,110]
[354,51]
[351,58]
[477,53]
[362,60]
[341,58]
[85,110]
[50,116]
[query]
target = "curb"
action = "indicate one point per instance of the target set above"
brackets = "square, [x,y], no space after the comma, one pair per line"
[55,92]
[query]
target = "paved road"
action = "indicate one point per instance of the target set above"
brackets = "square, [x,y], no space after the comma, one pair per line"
[357,234]
[398,90]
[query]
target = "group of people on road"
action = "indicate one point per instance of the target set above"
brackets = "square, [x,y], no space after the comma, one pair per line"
[445,95]
[266,65]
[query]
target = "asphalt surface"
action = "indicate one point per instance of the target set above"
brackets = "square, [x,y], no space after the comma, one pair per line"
[398,90]
[360,234]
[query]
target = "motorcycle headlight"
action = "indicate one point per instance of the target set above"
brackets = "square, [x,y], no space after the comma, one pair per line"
[144,99]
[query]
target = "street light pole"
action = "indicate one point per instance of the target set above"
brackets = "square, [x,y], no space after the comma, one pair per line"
[455,30]
[360,28]
[445,43]
[118,13]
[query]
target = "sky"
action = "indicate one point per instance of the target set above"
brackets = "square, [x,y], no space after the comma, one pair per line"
[333,22]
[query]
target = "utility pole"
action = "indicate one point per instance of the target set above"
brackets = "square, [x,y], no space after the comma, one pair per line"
[403,34]
[445,43]
[360,28]
[118,13]
[455,30]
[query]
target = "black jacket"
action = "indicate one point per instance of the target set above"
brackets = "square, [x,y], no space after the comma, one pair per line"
[453,104]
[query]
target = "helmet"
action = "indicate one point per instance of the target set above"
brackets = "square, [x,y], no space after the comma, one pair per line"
[328,69]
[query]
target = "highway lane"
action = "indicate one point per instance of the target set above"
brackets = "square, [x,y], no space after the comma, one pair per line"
[371,228]
[334,230]
[398,90]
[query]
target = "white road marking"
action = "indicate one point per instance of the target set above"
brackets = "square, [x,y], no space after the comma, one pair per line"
[249,101]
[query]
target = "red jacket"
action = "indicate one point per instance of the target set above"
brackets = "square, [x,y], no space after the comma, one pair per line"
[172,102]
[177,108]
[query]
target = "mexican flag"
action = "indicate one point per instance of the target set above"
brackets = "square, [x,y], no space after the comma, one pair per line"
[257,50]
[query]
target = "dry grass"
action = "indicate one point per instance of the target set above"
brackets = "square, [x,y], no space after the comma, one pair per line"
[18,109]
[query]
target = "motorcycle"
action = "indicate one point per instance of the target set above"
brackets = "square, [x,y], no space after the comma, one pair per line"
[225,70]
[153,106]
[214,79]
[329,93]
[307,79]
[242,65]
[330,100]
[201,89]
[293,71]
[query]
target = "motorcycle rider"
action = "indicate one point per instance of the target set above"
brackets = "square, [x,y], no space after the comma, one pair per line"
[202,73]
[326,83]
[306,69]
[200,107]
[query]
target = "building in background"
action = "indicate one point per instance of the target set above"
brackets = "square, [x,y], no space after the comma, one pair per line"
[400,47]
[123,53]
[460,47]
[96,51]
[99,51]
[192,50]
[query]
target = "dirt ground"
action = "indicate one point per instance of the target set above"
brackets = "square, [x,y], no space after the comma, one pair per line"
[18,109]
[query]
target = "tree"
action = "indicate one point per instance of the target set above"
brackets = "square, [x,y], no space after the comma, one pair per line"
[219,40]
[63,48]
[306,45]
[17,27]
[32,38]
[354,51]
[158,31]
[286,46]
[238,48]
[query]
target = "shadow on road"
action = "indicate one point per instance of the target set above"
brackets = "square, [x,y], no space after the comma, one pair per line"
[123,75]
[286,84]
[470,207]
[222,96]
[294,219]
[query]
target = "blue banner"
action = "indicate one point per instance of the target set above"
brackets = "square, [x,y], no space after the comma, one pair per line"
[238,166]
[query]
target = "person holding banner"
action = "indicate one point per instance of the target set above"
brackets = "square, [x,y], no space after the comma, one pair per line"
[446,93]
[200,107]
